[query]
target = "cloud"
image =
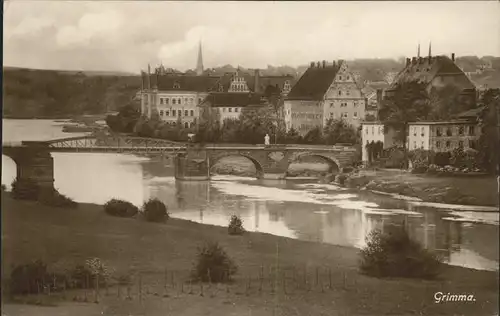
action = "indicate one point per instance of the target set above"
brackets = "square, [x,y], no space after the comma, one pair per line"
[31,25]
[101,25]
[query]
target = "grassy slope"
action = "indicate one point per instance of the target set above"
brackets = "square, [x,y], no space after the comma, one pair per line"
[61,236]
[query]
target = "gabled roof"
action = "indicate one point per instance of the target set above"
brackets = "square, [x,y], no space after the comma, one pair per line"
[230,99]
[470,114]
[265,81]
[425,69]
[184,83]
[314,83]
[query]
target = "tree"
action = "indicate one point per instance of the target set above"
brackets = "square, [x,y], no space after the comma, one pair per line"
[209,128]
[339,131]
[255,124]
[489,145]
[125,120]
[448,101]
[408,102]
[291,137]
[314,136]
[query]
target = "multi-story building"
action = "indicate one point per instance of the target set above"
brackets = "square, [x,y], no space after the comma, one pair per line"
[443,135]
[436,72]
[230,105]
[377,132]
[324,92]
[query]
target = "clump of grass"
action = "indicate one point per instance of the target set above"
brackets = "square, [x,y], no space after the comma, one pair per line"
[120,208]
[235,226]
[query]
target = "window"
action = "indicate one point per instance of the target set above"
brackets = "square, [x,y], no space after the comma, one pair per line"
[379,130]
[174,101]
[230,109]
[186,124]
[167,113]
[331,115]
[347,77]
[472,143]
[414,131]
[356,115]
[185,100]
[461,130]
[422,131]
[340,77]
[422,145]
[366,129]
[438,144]
[331,104]
[355,104]
[179,112]
[340,92]
[471,130]
[166,101]
[461,144]
[192,112]
[177,85]
[191,100]
[414,144]
[161,100]
[236,110]
[373,130]
[438,131]
[179,101]
[186,113]
[448,132]
[173,113]
[348,92]
[199,100]
[448,144]
[161,112]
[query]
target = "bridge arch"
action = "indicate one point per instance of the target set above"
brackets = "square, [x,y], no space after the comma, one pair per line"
[259,170]
[334,165]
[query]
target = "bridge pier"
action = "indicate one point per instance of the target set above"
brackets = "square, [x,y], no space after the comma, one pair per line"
[189,167]
[35,168]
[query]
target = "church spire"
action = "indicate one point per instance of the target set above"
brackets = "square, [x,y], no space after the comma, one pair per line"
[418,50]
[430,49]
[199,64]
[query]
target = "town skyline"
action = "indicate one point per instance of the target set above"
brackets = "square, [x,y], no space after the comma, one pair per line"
[126,36]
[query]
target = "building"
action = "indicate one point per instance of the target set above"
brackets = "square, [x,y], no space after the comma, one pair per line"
[324,92]
[443,135]
[377,131]
[436,72]
[230,105]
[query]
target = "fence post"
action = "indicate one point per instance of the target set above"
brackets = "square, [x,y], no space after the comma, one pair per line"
[345,280]
[140,288]
[85,299]
[201,287]
[317,276]
[330,277]
[96,300]
[261,278]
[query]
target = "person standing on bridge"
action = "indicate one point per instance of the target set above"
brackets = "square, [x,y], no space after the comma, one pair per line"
[266,139]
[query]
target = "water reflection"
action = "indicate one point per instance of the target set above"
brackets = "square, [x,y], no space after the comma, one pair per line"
[296,209]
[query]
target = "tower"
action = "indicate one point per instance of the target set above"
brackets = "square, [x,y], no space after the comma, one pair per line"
[430,49]
[418,50]
[199,64]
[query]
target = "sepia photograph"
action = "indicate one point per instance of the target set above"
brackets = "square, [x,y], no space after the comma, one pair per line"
[250,158]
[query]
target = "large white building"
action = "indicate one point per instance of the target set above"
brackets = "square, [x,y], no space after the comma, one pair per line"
[324,91]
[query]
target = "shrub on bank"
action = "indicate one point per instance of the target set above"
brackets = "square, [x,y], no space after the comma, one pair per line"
[27,190]
[86,275]
[28,278]
[120,208]
[394,254]
[155,211]
[56,199]
[235,226]
[213,264]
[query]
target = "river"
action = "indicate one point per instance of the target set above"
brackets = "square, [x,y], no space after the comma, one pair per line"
[299,209]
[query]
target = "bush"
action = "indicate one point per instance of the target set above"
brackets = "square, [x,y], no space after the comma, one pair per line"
[235,226]
[213,264]
[155,211]
[85,276]
[120,208]
[25,190]
[28,278]
[4,188]
[394,254]
[458,158]
[442,158]
[54,198]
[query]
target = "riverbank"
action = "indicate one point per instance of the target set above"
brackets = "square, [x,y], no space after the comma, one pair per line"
[480,191]
[64,237]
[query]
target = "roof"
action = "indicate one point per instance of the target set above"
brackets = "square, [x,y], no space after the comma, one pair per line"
[425,69]
[314,83]
[184,83]
[472,113]
[440,122]
[234,99]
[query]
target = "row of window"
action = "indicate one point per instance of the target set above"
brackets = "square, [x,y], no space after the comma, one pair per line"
[177,113]
[347,78]
[460,143]
[186,124]
[306,115]
[236,110]
[380,130]
[345,115]
[178,100]
[461,131]
[239,87]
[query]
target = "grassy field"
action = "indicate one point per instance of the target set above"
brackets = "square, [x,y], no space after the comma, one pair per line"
[480,190]
[64,237]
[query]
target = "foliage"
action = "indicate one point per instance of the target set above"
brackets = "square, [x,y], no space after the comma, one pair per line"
[394,254]
[420,157]
[25,190]
[213,264]
[374,150]
[458,158]
[155,211]
[235,226]
[30,93]
[120,208]
[56,199]
[125,120]
[448,101]
[314,136]
[442,158]
[489,138]
[394,157]
[292,136]
[339,131]
[86,275]
[28,278]
[4,188]
[210,129]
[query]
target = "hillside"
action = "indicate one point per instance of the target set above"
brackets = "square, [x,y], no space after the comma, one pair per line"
[30,93]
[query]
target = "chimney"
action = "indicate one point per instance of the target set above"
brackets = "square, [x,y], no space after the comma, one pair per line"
[324,63]
[453,57]
[312,64]
[256,82]
[420,60]
[319,64]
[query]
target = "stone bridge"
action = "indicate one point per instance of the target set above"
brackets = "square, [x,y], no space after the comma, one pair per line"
[192,161]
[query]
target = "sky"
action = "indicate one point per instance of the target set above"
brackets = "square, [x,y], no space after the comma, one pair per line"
[127,35]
